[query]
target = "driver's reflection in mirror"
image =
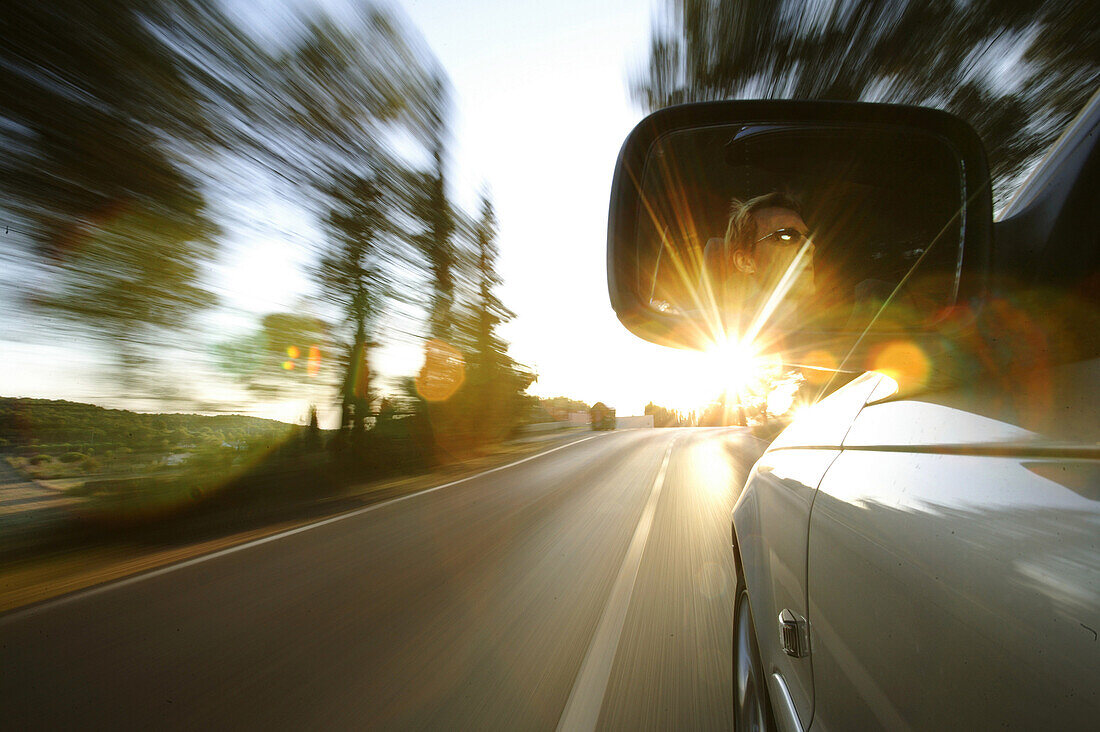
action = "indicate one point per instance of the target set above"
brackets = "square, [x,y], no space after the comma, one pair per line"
[764,262]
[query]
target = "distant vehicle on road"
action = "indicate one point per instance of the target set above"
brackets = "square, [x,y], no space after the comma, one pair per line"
[601,416]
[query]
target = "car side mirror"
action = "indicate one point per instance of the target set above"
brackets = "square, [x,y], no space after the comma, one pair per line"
[796,227]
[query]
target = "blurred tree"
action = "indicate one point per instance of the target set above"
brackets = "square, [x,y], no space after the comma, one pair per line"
[288,355]
[490,351]
[561,406]
[484,399]
[1017,71]
[497,382]
[288,336]
[434,215]
[92,113]
[311,438]
[119,116]
[353,275]
[320,111]
[663,417]
[720,413]
[335,103]
[303,107]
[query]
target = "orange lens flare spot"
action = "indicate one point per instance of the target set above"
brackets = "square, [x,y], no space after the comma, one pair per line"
[443,372]
[904,362]
[825,363]
[293,352]
[288,365]
[313,366]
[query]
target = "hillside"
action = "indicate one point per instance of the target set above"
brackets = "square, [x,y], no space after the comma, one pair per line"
[54,426]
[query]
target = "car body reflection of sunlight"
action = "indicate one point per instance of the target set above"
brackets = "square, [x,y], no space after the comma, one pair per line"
[927,423]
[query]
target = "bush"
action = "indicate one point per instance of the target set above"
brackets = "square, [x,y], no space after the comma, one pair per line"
[79,489]
[39,459]
[89,463]
[72,457]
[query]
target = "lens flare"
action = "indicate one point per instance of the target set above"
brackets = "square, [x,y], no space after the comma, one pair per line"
[313,366]
[824,363]
[293,352]
[443,372]
[904,362]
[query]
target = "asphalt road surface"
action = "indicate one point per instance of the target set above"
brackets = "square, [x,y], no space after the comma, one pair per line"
[588,587]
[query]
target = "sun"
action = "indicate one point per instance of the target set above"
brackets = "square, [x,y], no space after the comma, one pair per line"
[734,365]
[695,379]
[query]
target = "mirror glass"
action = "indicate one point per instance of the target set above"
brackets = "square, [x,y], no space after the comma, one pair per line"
[755,231]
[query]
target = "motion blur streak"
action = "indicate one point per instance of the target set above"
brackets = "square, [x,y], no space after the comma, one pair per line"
[471,606]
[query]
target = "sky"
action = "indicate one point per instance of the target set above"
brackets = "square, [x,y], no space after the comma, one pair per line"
[541,108]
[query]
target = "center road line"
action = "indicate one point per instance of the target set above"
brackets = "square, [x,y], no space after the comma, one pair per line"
[108,586]
[582,710]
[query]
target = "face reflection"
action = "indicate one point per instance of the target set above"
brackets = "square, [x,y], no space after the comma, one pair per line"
[773,256]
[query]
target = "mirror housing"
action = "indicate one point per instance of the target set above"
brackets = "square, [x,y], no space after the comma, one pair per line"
[834,127]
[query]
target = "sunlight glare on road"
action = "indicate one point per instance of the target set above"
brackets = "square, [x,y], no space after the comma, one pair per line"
[711,463]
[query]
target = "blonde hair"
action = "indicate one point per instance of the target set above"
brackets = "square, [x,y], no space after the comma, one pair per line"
[741,229]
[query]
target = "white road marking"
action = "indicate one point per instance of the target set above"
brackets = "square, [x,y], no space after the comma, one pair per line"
[582,710]
[108,586]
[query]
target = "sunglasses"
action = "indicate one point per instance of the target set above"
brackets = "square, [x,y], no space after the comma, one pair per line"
[785,237]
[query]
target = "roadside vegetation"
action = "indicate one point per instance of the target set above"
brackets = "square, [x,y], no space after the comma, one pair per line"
[124,468]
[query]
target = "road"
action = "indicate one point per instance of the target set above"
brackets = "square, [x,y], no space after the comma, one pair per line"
[586,587]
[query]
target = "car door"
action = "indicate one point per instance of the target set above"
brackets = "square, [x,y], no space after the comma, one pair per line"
[952,562]
[770,522]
